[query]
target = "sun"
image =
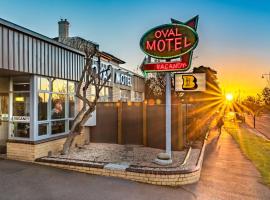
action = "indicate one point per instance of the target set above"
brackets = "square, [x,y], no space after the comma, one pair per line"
[229,96]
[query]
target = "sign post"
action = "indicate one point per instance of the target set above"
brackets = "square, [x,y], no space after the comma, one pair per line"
[169,41]
[168,115]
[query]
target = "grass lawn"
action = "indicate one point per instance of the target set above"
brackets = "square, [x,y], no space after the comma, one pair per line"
[254,147]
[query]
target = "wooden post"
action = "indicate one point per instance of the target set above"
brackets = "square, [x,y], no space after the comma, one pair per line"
[119,123]
[180,124]
[144,123]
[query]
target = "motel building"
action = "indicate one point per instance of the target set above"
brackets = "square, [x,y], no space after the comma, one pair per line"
[38,76]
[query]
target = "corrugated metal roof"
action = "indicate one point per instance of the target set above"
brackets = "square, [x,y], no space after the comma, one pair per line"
[36,35]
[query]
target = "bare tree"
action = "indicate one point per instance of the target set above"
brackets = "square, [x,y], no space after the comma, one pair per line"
[89,76]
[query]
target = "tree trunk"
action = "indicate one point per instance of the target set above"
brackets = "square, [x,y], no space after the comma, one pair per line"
[254,121]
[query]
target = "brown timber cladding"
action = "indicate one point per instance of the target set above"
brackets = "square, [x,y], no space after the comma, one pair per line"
[22,50]
[133,120]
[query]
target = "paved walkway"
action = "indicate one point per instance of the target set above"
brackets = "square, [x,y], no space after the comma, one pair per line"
[227,174]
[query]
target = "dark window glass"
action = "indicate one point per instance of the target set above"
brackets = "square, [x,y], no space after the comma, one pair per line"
[21,104]
[21,83]
[4,107]
[43,106]
[42,129]
[71,106]
[58,127]
[70,124]
[21,130]
[21,87]
[58,106]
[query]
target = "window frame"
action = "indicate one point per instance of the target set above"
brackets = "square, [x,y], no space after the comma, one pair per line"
[49,120]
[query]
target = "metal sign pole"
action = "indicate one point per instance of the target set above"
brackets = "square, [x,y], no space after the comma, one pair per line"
[168,114]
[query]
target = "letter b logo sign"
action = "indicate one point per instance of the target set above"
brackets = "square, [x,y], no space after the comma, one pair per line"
[189,82]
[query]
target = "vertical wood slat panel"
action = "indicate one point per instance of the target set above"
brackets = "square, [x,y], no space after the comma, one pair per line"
[46,59]
[30,54]
[59,62]
[5,48]
[53,61]
[56,62]
[38,58]
[1,47]
[10,49]
[26,53]
[21,63]
[16,51]
[41,59]
[34,56]
[49,60]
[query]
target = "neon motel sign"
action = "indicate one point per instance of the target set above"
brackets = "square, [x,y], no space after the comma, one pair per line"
[169,41]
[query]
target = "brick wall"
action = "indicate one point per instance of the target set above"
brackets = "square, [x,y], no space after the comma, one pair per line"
[30,152]
[155,179]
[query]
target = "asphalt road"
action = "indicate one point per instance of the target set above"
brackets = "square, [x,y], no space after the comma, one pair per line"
[226,175]
[262,124]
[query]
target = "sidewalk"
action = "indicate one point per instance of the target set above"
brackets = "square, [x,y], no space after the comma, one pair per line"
[227,174]
[255,131]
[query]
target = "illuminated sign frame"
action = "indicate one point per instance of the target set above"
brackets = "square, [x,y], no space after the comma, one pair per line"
[162,33]
[185,55]
[190,82]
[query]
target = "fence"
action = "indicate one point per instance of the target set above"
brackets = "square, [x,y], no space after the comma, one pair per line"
[138,123]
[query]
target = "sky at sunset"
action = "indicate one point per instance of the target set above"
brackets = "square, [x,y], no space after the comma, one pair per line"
[234,35]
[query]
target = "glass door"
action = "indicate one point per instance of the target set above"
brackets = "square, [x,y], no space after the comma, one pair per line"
[4,100]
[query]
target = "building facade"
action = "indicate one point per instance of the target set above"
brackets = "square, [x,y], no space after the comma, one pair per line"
[124,85]
[38,76]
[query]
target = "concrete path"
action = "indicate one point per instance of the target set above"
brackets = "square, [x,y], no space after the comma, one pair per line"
[226,175]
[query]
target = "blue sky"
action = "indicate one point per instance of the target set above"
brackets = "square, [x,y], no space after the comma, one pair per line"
[234,35]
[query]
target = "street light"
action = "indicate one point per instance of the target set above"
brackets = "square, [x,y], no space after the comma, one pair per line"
[267,76]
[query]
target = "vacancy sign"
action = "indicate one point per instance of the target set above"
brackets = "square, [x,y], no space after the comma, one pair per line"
[192,82]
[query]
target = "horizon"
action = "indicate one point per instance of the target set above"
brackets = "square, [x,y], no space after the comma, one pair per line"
[233,37]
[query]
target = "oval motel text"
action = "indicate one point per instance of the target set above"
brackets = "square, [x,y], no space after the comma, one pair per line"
[169,41]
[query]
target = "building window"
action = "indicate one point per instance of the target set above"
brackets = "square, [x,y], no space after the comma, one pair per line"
[21,104]
[71,106]
[43,99]
[21,129]
[138,96]
[125,95]
[42,129]
[43,84]
[56,105]
[58,127]
[105,94]
[20,121]
[59,85]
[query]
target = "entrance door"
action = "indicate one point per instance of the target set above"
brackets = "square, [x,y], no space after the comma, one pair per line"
[3,121]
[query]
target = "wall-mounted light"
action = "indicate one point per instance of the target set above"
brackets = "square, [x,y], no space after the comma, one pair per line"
[19,99]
